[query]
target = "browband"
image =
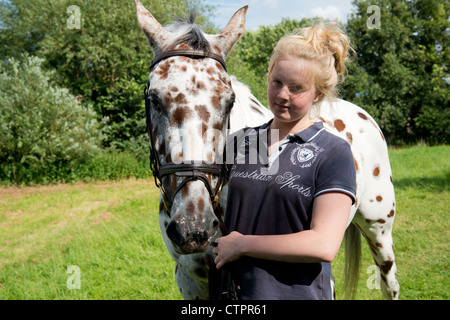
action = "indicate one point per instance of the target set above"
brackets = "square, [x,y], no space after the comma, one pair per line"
[187,53]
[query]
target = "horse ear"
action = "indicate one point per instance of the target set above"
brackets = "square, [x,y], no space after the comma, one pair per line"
[155,32]
[232,32]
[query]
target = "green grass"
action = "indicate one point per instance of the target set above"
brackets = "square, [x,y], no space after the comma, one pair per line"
[421,229]
[110,231]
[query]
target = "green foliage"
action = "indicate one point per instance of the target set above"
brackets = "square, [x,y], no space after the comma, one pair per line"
[249,60]
[402,68]
[113,165]
[400,77]
[105,61]
[247,75]
[255,48]
[42,126]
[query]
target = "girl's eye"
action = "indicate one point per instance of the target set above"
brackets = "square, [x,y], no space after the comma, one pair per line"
[295,89]
[277,83]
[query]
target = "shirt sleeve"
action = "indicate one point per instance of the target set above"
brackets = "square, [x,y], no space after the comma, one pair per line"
[337,172]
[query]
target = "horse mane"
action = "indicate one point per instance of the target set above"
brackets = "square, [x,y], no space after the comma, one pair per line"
[188,33]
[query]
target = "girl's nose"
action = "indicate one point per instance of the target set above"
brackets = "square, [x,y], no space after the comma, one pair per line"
[284,93]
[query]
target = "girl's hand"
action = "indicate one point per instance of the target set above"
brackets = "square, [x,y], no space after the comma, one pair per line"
[228,249]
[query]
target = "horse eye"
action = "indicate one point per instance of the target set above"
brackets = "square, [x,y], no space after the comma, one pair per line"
[155,101]
[230,104]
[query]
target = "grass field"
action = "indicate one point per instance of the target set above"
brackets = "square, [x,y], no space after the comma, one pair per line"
[110,232]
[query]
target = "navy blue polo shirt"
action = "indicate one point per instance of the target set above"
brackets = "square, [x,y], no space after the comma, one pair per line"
[268,196]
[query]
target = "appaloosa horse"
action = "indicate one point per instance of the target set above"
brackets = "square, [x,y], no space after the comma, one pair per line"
[192,104]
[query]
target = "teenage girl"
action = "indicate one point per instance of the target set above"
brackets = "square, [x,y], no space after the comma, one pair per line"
[287,225]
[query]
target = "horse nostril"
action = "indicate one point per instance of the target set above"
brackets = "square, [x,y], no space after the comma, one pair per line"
[173,232]
[215,223]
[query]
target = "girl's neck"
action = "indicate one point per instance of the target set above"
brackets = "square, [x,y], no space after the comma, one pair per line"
[286,128]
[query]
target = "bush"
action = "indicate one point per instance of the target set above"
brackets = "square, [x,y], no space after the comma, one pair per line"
[112,165]
[44,130]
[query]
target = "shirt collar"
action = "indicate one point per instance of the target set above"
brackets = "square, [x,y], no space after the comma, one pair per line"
[305,135]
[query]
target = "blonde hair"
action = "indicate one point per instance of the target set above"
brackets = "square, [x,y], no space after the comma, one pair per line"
[323,44]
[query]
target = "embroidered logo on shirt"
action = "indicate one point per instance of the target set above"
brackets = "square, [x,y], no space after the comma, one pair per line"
[305,154]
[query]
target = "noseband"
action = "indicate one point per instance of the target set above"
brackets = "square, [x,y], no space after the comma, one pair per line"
[190,171]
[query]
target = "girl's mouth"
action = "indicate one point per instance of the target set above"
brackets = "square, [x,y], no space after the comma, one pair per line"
[281,107]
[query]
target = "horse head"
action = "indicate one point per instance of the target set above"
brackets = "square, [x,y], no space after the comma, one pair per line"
[189,97]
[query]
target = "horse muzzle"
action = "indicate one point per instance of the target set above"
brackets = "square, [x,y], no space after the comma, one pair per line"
[188,235]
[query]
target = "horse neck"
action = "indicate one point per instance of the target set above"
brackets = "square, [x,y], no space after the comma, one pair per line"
[247,110]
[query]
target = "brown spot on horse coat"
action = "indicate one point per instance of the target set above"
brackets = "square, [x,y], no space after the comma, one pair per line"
[203,112]
[376,171]
[385,267]
[163,70]
[201,85]
[349,137]
[362,116]
[215,101]
[190,207]
[201,204]
[339,125]
[218,126]
[181,99]
[356,164]
[181,114]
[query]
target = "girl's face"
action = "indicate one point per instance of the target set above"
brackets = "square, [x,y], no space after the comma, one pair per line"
[291,91]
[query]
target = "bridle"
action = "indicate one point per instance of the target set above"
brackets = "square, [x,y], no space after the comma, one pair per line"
[190,171]
[194,54]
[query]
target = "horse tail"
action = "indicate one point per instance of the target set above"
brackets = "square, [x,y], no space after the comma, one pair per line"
[352,260]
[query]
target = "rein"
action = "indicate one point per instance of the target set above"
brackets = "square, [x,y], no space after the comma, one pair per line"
[190,171]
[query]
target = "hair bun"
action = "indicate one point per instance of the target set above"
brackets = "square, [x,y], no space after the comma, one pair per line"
[323,44]
[328,38]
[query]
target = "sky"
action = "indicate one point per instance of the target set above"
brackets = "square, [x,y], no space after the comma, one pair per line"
[270,12]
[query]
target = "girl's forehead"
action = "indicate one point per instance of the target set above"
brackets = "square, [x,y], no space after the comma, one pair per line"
[294,70]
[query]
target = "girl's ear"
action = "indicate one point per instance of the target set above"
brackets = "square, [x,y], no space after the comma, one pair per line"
[317,98]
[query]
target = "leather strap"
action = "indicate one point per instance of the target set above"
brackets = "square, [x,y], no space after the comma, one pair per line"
[187,53]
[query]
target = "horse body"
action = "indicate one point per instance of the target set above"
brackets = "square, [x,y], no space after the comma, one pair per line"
[194,104]
[374,209]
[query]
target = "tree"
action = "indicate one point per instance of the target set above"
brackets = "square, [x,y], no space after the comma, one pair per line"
[402,68]
[249,60]
[103,60]
[41,124]
[255,48]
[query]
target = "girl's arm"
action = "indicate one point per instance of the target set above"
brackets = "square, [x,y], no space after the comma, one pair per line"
[319,244]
